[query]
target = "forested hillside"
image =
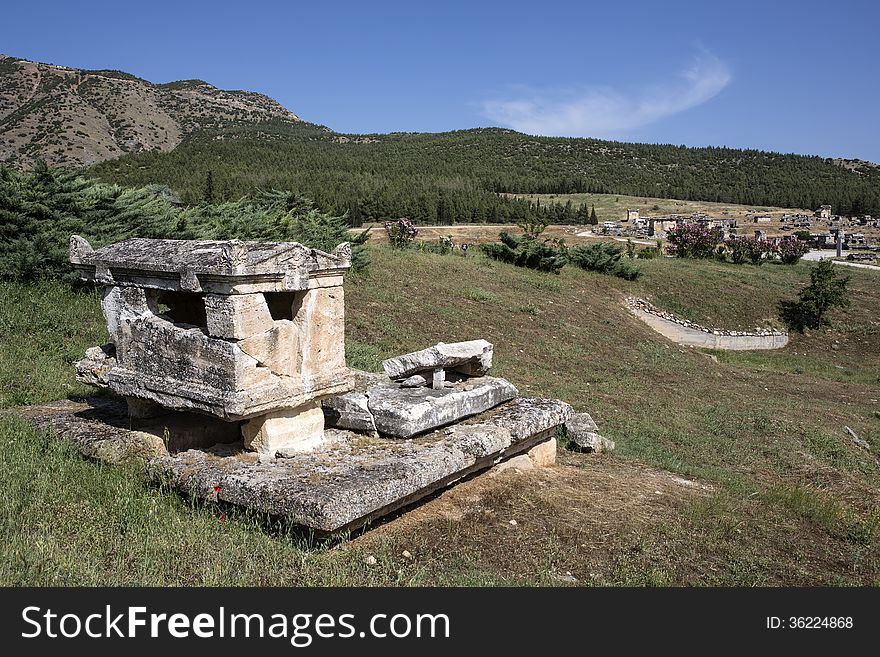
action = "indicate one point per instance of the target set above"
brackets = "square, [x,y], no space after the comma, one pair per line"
[454,177]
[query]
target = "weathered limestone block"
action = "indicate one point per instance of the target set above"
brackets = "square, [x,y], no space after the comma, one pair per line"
[414,381]
[349,411]
[237,316]
[405,412]
[543,455]
[590,441]
[584,434]
[121,304]
[276,348]
[210,266]
[580,423]
[94,368]
[152,347]
[354,480]
[320,323]
[520,462]
[529,416]
[234,329]
[473,358]
[478,440]
[292,430]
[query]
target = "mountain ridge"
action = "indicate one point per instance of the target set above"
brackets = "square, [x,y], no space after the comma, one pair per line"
[78,117]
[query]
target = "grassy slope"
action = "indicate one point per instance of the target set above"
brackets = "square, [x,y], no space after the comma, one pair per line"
[613,207]
[782,496]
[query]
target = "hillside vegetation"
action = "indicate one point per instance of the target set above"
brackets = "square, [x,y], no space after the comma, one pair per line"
[730,468]
[73,116]
[456,177]
[40,210]
[176,133]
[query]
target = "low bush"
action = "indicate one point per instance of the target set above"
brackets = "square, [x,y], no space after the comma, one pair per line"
[791,249]
[605,258]
[743,248]
[401,232]
[693,240]
[526,251]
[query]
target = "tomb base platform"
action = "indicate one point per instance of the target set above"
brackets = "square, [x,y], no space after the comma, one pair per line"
[351,480]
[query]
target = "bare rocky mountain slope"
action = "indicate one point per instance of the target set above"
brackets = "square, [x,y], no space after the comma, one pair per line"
[70,116]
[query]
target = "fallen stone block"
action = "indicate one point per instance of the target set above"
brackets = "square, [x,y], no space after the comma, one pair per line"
[96,365]
[414,381]
[406,412]
[349,411]
[473,358]
[584,435]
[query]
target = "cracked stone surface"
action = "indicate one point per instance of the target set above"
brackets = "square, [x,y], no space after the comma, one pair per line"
[212,266]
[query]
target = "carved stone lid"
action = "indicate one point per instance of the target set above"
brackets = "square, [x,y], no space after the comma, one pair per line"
[219,266]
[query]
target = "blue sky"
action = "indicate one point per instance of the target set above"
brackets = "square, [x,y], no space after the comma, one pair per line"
[798,77]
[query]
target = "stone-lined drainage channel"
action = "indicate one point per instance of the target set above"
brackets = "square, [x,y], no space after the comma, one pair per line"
[689,334]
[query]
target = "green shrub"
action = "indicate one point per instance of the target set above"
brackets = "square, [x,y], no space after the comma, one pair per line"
[524,251]
[605,258]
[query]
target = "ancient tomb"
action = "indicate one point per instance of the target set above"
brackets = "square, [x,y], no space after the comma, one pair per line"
[227,360]
[239,330]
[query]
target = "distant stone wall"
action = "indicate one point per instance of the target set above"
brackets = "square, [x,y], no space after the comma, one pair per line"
[690,334]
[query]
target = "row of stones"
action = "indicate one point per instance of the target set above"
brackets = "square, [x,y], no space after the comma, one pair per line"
[635,303]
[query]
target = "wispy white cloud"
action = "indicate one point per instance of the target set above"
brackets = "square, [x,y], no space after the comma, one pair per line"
[604,112]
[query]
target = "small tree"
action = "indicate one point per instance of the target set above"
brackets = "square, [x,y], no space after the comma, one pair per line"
[826,290]
[593,218]
[532,227]
[605,258]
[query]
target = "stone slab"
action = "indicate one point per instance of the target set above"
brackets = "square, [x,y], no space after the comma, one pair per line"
[101,428]
[353,480]
[406,412]
[473,358]
[212,266]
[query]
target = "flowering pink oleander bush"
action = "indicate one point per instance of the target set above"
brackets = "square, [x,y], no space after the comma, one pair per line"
[401,233]
[692,240]
[744,247]
[790,249]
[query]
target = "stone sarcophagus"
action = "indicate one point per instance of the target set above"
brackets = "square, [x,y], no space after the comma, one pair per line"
[249,332]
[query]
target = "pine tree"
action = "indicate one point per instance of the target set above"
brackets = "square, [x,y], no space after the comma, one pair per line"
[209,188]
[593,218]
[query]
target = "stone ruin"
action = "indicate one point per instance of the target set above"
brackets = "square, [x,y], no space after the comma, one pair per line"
[242,331]
[227,360]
